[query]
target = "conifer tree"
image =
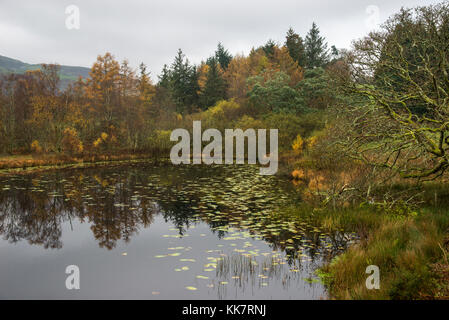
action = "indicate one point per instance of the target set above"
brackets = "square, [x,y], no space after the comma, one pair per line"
[223,56]
[183,83]
[215,87]
[316,49]
[295,46]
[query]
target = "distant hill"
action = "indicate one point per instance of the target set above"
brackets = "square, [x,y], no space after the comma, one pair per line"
[67,74]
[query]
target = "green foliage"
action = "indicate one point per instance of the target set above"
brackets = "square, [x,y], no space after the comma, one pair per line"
[275,94]
[315,89]
[221,115]
[287,124]
[183,84]
[402,247]
[159,141]
[215,87]
[316,49]
[223,56]
[268,48]
[295,46]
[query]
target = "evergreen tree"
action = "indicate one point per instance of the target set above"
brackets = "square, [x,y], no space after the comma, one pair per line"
[316,48]
[268,48]
[164,78]
[223,56]
[183,83]
[215,87]
[295,46]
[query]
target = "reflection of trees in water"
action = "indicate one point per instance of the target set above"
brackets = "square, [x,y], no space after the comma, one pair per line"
[31,217]
[118,202]
[36,214]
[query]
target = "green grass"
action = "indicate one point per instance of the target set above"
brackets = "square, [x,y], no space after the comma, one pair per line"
[405,246]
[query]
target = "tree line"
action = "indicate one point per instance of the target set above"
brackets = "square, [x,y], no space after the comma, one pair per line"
[120,109]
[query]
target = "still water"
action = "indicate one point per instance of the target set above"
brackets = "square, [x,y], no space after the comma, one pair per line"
[157,232]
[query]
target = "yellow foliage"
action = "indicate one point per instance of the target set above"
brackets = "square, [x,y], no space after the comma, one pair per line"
[202,75]
[35,147]
[71,143]
[312,142]
[298,174]
[247,122]
[298,144]
[104,136]
[97,142]
[220,114]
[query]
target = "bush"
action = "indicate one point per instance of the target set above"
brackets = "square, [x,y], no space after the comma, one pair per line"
[298,144]
[71,144]
[35,147]
[221,115]
[288,126]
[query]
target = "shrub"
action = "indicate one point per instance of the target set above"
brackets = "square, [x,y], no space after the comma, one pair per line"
[71,144]
[35,147]
[298,144]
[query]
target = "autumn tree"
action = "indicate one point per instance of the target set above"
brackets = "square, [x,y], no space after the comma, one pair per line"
[103,94]
[236,75]
[50,113]
[282,61]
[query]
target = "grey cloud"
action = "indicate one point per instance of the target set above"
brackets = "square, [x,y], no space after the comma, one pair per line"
[152,31]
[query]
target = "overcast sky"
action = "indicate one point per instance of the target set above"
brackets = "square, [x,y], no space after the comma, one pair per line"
[152,31]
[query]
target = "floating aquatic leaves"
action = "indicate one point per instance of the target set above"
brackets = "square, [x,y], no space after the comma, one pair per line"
[191,288]
[237,204]
[174,254]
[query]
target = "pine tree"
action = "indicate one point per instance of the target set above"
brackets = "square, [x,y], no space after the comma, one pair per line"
[164,78]
[316,48]
[295,46]
[215,87]
[183,83]
[223,56]
[268,48]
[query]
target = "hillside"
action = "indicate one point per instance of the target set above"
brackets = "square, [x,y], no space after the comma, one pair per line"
[67,73]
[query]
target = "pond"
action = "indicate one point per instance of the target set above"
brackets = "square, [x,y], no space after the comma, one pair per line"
[147,231]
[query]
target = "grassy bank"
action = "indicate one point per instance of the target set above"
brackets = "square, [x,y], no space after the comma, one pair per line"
[410,249]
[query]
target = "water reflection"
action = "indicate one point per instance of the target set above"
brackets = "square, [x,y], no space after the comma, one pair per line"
[252,248]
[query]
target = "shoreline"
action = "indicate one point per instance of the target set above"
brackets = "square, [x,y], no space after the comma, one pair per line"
[72,163]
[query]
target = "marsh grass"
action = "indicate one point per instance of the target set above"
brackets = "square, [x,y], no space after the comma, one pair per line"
[409,247]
